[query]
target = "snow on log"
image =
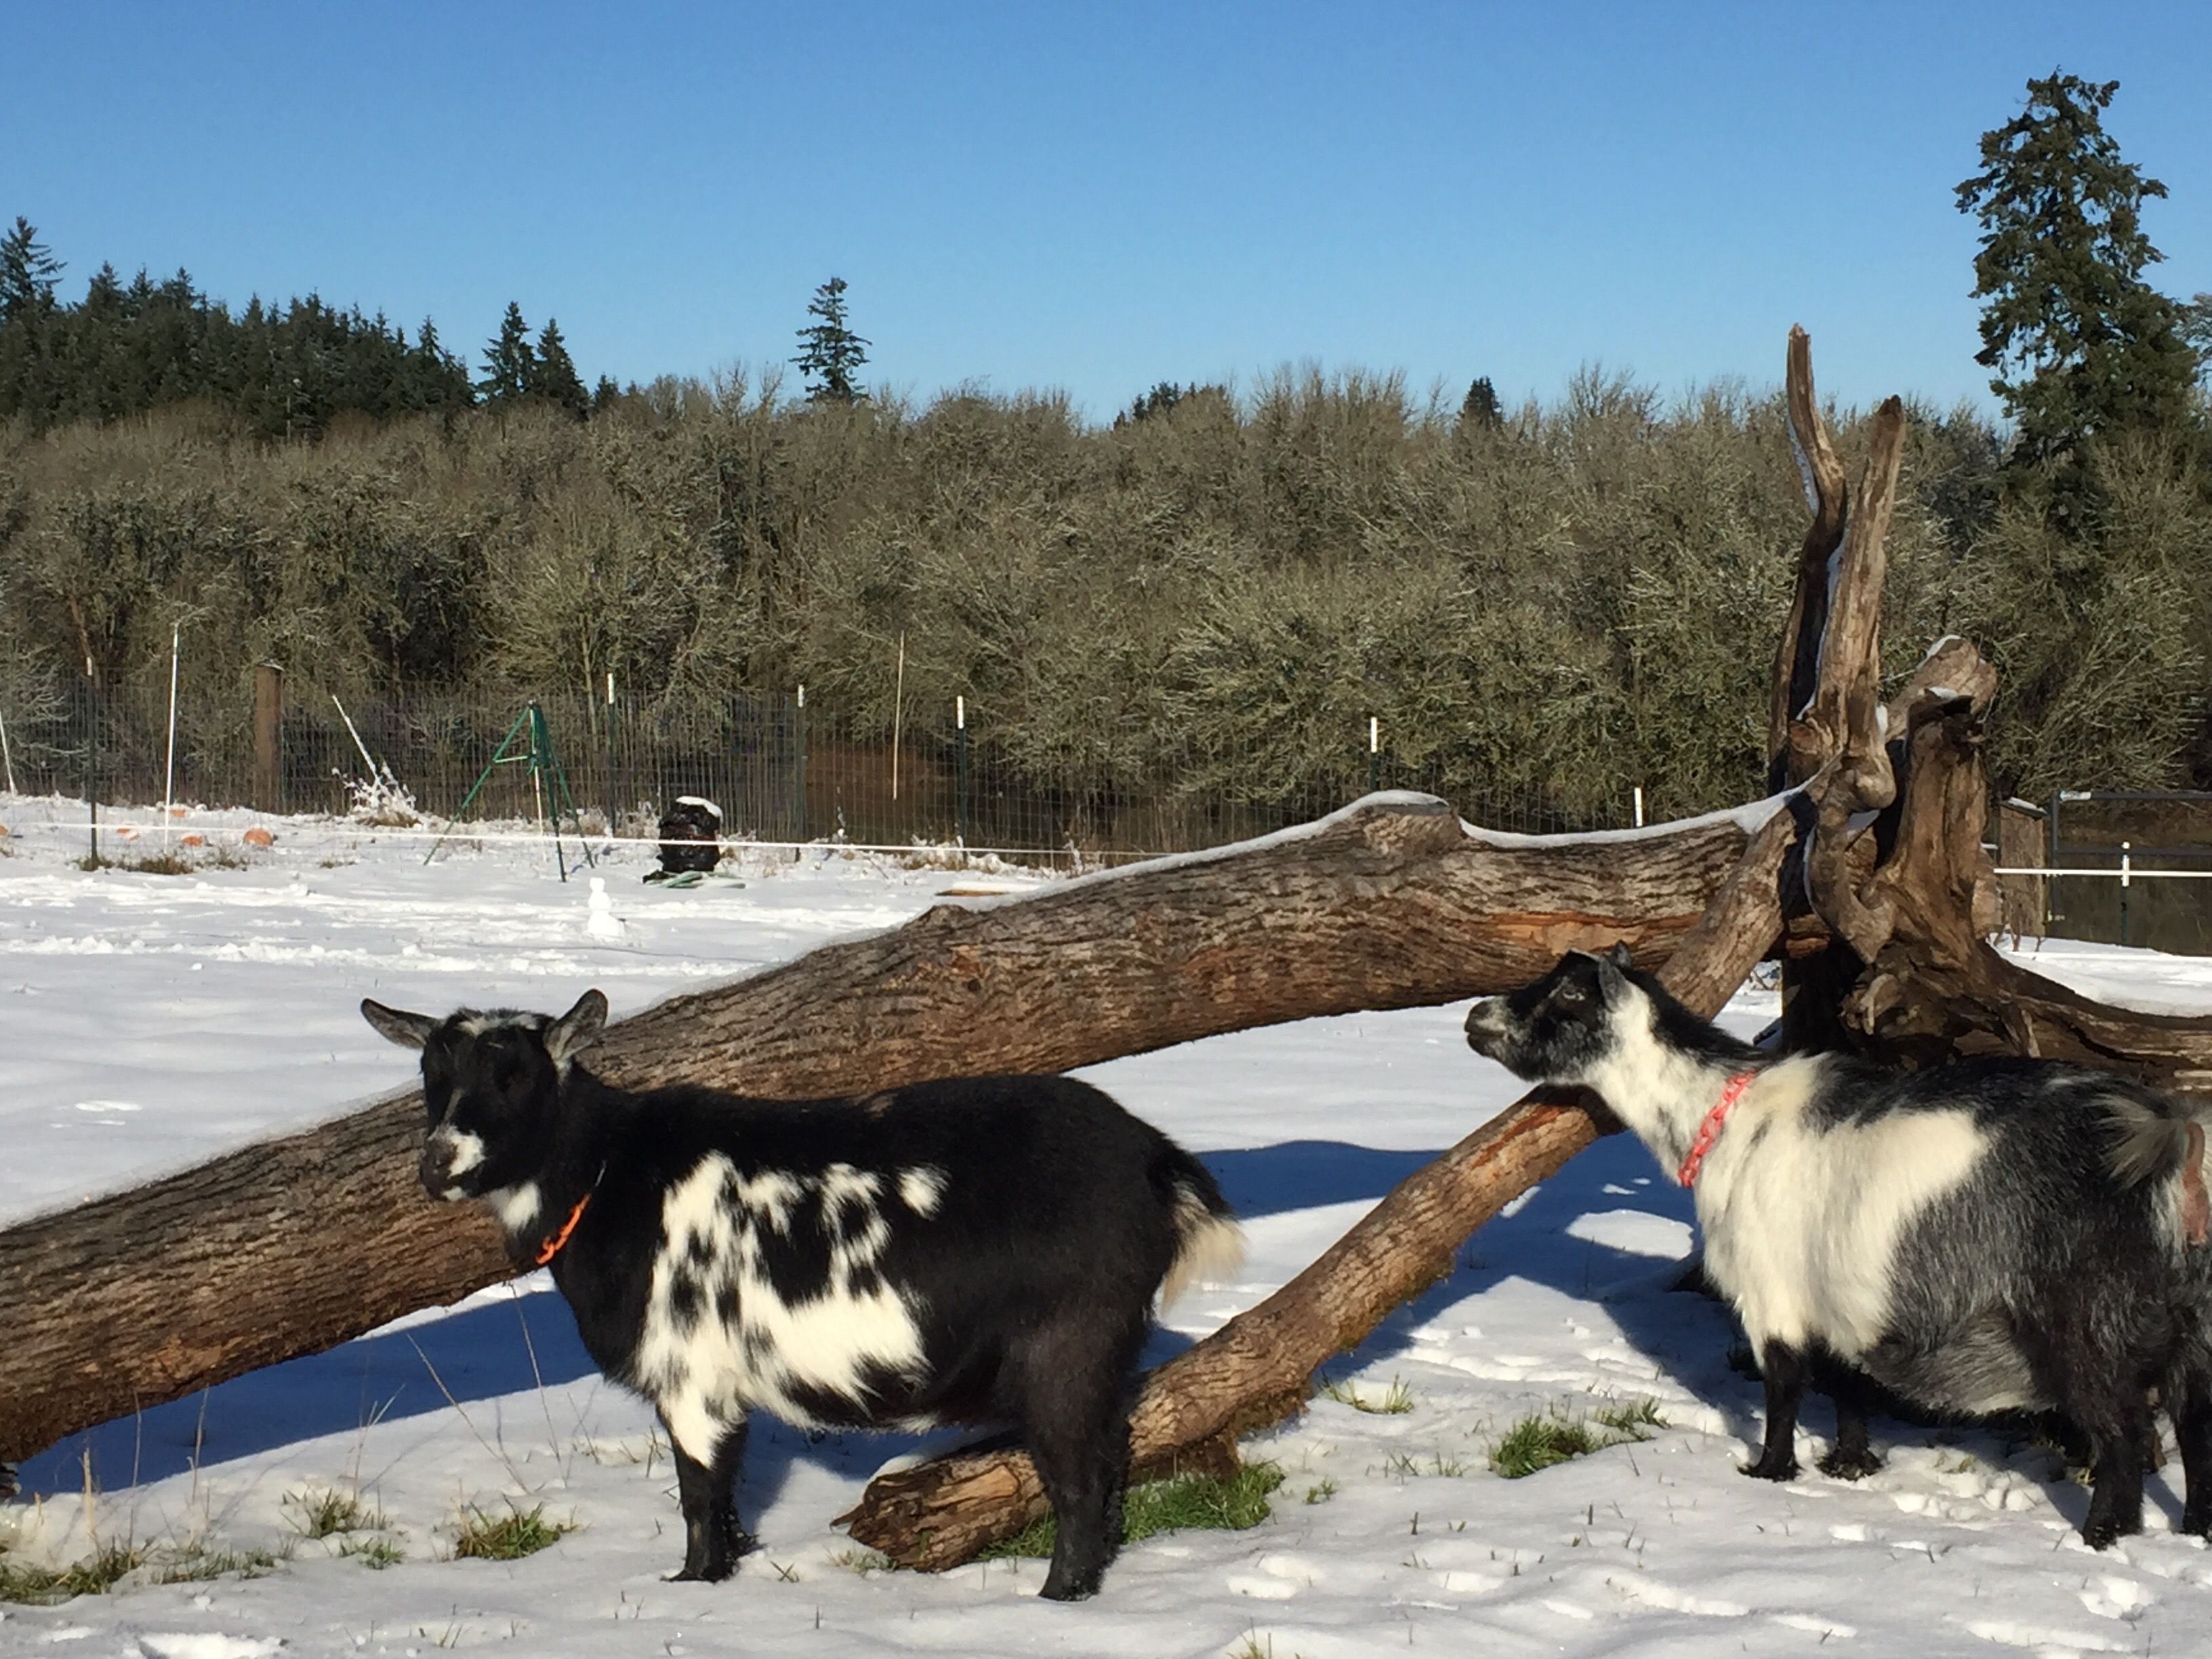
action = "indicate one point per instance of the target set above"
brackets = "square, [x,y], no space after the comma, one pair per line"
[300,1241]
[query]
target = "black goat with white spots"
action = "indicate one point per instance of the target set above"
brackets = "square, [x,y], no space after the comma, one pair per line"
[1992,1235]
[982,1250]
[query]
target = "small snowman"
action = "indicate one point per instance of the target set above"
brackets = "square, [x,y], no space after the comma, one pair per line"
[602,922]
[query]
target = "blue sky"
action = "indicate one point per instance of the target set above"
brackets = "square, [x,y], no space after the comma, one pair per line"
[1094,197]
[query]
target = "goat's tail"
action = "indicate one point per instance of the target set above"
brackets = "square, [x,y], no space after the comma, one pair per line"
[2150,1138]
[2161,1140]
[1209,1244]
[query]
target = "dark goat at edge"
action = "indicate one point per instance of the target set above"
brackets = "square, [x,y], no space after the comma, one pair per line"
[973,1250]
[1992,1235]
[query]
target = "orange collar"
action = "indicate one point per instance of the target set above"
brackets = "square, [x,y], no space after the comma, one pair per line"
[1708,1132]
[551,1246]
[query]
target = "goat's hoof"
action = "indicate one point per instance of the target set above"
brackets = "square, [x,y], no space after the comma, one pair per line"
[1072,1583]
[2101,1532]
[1765,1470]
[1855,1465]
[704,1572]
[2196,1520]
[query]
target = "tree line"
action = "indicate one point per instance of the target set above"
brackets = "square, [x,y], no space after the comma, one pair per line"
[1565,597]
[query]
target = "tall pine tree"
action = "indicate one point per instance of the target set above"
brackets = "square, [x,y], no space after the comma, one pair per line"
[2081,344]
[830,352]
[554,376]
[28,271]
[510,365]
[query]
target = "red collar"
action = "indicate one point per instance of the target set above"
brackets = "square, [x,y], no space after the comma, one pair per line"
[551,1246]
[1709,1130]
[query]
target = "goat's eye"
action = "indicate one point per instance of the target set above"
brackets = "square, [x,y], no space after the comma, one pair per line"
[1572,994]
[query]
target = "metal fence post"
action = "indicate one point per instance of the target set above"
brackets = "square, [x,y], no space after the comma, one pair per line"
[92,762]
[799,719]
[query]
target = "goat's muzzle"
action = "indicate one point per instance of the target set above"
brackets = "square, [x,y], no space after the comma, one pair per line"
[1489,1026]
[448,1166]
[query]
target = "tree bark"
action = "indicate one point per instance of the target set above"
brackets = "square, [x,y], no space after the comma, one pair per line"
[1257,1368]
[297,1243]
[1798,659]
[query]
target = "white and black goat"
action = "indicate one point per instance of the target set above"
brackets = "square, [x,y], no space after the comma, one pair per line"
[984,1250]
[1989,1236]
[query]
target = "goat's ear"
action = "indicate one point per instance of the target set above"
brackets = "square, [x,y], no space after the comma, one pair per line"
[1621,959]
[408,1031]
[577,1030]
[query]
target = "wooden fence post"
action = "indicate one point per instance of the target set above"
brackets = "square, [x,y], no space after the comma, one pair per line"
[2020,837]
[268,748]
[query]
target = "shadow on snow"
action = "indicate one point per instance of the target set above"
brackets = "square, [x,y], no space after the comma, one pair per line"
[480,1354]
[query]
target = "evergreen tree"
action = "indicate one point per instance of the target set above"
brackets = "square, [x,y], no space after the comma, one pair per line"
[2196,329]
[832,352]
[1164,396]
[436,381]
[553,375]
[28,271]
[2081,344]
[510,365]
[1480,409]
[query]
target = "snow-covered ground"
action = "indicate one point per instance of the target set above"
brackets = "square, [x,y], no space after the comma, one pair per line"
[148,1020]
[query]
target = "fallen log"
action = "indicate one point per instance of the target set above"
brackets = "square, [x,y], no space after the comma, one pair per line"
[1257,1369]
[301,1241]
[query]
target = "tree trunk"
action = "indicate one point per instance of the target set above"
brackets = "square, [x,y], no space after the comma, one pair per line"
[297,1243]
[1257,1369]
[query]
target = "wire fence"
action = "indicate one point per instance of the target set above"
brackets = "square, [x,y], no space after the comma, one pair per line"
[780,769]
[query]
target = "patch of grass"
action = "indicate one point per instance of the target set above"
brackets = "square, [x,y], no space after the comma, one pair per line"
[1404,1463]
[1321,1491]
[43,1586]
[1633,1420]
[1396,1400]
[1174,1505]
[326,1511]
[376,1554]
[199,1564]
[181,864]
[862,1561]
[158,864]
[1539,1442]
[509,1537]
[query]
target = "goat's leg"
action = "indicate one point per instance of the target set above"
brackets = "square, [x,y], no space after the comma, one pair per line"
[1784,1369]
[705,1485]
[2116,1432]
[1852,1457]
[2192,1428]
[1078,1428]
